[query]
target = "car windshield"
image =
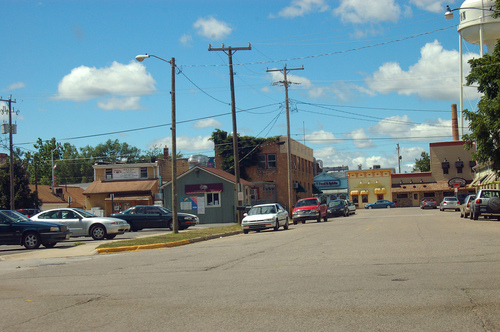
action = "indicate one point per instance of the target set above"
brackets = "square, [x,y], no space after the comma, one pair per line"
[451,199]
[84,213]
[335,203]
[267,209]
[307,202]
[14,216]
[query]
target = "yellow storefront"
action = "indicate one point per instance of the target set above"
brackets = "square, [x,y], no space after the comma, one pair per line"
[368,186]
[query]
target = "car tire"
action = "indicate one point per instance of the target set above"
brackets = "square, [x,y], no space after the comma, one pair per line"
[49,244]
[277,226]
[461,214]
[303,221]
[98,232]
[245,231]
[171,225]
[325,218]
[475,216]
[31,240]
[286,224]
[370,207]
[295,222]
[319,218]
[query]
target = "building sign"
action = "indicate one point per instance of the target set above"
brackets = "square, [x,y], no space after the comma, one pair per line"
[126,173]
[328,183]
[203,188]
[456,182]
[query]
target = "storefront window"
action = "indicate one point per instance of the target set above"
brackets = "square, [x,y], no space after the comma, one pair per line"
[364,198]
[213,199]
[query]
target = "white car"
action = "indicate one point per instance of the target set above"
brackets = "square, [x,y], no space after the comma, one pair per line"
[83,223]
[351,206]
[265,216]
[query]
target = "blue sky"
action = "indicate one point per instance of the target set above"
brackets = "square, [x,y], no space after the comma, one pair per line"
[376,74]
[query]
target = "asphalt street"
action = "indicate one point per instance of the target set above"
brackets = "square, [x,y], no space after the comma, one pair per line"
[379,270]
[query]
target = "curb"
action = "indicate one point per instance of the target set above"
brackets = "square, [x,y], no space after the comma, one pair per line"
[164,245]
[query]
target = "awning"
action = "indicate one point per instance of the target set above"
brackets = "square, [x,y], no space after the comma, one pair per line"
[380,191]
[354,192]
[364,192]
[203,188]
[335,191]
[316,190]
[300,189]
[110,187]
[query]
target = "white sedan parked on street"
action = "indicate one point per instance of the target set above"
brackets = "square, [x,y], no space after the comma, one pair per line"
[83,223]
[265,216]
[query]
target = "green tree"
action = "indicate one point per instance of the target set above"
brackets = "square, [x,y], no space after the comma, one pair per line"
[484,123]
[112,151]
[424,163]
[248,148]
[23,197]
[42,160]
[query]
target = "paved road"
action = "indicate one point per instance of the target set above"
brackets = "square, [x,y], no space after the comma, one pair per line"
[380,270]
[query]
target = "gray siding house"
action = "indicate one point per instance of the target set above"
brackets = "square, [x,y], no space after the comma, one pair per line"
[208,193]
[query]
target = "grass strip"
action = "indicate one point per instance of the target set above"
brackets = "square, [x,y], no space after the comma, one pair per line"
[171,237]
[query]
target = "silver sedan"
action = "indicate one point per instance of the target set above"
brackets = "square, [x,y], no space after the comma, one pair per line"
[84,223]
[449,203]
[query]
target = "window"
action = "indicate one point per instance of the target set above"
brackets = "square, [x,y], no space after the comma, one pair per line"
[364,198]
[380,196]
[445,171]
[109,173]
[402,195]
[355,199]
[266,161]
[213,199]
[429,194]
[144,172]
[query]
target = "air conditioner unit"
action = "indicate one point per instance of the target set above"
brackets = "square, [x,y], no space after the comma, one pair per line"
[295,185]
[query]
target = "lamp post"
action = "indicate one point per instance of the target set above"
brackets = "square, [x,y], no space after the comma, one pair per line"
[175,222]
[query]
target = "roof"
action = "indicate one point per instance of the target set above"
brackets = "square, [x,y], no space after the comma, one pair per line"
[216,172]
[47,197]
[104,187]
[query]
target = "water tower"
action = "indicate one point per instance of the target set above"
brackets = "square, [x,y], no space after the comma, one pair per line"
[477,26]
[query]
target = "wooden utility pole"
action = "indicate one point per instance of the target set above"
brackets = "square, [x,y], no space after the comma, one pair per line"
[286,83]
[11,148]
[230,51]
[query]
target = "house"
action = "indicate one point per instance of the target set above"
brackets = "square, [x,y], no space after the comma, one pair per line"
[118,186]
[208,193]
[333,184]
[368,186]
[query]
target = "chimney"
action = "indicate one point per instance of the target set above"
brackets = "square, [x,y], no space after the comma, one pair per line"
[454,122]
[165,153]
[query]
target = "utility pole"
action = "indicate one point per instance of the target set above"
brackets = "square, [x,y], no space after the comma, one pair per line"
[285,82]
[230,51]
[11,148]
[399,159]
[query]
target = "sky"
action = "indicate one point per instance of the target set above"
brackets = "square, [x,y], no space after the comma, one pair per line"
[366,76]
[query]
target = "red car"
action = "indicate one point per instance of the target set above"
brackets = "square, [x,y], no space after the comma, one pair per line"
[309,209]
[428,203]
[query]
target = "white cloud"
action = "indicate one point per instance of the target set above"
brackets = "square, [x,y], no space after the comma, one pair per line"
[125,83]
[321,137]
[435,6]
[360,139]
[212,28]
[185,144]
[186,40]
[15,86]
[362,11]
[402,127]
[122,104]
[434,76]
[207,123]
[303,7]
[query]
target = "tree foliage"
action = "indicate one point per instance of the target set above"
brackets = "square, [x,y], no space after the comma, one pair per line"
[424,163]
[484,123]
[23,197]
[248,148]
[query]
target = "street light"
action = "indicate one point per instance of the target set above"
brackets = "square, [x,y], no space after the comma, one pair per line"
[175,224]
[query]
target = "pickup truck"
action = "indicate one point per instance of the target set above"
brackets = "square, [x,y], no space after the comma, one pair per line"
[487,204]
[309,209]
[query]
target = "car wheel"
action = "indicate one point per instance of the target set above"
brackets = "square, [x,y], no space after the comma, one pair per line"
[475,217]
[319,218]
[295,222]
[31,240]
[49,245]
[325,219]
[286,224]
[245,231]
[171,225]
[441,209]
[98,232]
[277,226]
[110,237]
[370,207]
[471,215]
[303,221]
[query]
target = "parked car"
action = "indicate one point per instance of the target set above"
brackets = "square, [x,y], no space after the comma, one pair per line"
[449,203]
[351,207]
[264,216]
[16,228]
[486,203]
[338,207]
[465,207]
[428,203]
[83,223]
[381,203]
[309,209]
[152,216]
[29,212]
